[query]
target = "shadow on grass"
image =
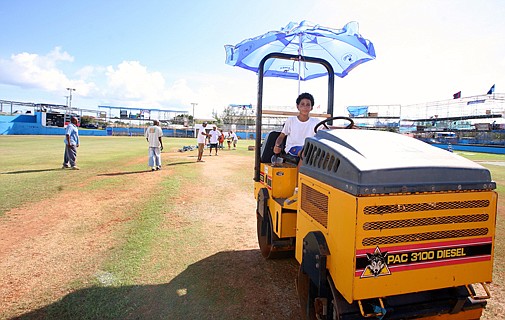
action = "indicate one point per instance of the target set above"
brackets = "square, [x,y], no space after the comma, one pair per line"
[32,171]
[179,163]
[227,285]
[122,173]
[141,171]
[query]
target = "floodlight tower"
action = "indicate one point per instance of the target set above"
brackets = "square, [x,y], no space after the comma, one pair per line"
[70,97]
[194,104]
[194,128]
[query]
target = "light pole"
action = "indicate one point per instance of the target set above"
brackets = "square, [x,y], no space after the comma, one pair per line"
[194,104]
[194,127]
[70,97]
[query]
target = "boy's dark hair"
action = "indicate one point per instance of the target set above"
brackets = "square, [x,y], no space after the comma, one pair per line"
[305,95]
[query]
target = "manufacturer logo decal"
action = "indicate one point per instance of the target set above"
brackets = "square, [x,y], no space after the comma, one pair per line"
[376,265]
[419,256]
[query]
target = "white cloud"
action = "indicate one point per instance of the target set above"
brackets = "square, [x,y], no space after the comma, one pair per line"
[57,55]
[133,82]
[180,91]
[87,72]
[31,70]
[129,83]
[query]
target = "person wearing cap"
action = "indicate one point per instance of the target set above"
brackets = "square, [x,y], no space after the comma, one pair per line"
[200,139]
[153,136]
[214,139]
[71,144]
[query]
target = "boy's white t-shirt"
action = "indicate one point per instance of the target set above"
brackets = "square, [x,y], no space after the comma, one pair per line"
[297,131]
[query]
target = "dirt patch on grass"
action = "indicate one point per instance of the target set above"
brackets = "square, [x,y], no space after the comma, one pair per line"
[45,246]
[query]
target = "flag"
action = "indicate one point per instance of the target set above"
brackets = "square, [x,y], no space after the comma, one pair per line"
[457,95]
[491,90]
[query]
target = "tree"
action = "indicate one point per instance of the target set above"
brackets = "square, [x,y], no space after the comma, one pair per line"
[183,119]
[87,119]
[230,115]
[218,121]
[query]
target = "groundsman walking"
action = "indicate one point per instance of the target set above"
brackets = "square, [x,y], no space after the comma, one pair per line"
[71,144]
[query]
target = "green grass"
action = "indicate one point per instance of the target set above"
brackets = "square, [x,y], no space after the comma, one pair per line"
[478,156]
[112,300]
[31,165]
[30,171]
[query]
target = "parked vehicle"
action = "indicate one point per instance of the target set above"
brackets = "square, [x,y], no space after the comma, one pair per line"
[382,225]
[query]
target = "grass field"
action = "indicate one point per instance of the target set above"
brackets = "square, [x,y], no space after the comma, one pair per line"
[150,228]
[30,172]
[31,165]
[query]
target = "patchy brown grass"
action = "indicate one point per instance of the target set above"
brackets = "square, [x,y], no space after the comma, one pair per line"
[205,263]
[47,245]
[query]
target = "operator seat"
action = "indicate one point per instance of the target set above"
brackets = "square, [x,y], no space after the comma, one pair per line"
[267,147]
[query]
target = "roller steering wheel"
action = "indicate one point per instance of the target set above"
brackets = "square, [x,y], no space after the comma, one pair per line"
[323,123]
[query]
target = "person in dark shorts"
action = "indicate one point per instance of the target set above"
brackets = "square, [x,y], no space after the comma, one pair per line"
[213,139]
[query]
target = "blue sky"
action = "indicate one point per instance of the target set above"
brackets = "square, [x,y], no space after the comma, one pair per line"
[168,54]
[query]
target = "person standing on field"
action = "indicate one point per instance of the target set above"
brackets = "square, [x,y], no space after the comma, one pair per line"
[221,139]
[200,139]
[71,144]
[234,139]
[229,138]
[153,136]
[214,139]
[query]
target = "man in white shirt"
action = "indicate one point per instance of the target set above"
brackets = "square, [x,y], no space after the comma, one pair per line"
[214,139]
[200,139]
[234,139]
[153,136]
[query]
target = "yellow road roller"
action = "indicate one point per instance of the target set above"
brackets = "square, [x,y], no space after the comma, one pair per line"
[383,225]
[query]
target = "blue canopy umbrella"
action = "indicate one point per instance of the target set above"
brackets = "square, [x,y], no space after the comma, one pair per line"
[343,48]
